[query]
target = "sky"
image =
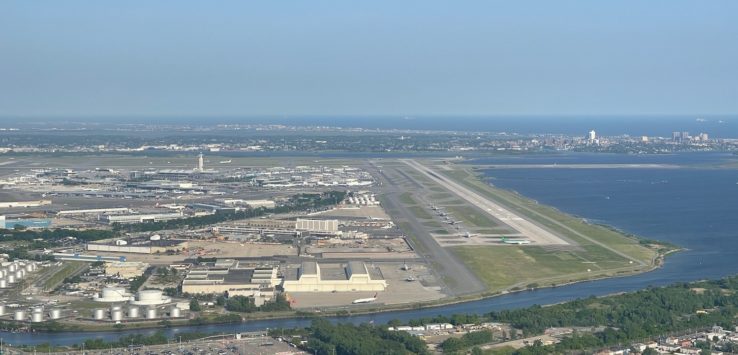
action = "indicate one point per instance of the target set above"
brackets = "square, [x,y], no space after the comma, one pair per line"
[382,57]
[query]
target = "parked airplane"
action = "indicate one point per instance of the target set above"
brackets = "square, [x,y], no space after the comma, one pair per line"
[515,241]
[365,300]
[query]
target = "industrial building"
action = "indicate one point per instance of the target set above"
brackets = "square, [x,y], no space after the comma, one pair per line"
[29,223]
[317,225]
[226,276]
[354,276]
[249,203]
[15,204]
[139,246]
[94,211]
[142,218]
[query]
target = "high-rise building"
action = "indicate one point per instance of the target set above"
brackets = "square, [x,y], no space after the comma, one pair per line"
[676,136]
[200,163]
[592,135]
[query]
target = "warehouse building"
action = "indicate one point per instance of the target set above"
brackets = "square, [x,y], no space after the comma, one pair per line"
[142,218]
[354,276]
[317,225]
[144,246]
[228,277]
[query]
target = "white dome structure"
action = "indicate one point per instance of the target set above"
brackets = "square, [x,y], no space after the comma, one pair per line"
[113,294]
[151,298]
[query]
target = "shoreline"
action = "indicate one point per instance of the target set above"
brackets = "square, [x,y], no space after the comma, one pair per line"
[656,262]
[297,314]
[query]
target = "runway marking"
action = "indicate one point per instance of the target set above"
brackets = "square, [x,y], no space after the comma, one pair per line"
[535,233]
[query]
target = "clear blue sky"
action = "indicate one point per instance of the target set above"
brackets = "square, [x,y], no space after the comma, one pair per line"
[80,58]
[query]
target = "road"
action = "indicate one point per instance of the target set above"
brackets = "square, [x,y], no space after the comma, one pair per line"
[449,270]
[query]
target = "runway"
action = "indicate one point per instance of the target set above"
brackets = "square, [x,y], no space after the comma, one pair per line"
[528,229]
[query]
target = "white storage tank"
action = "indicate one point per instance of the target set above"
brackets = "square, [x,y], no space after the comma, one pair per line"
[37,317]
[175,312]
[55,313]
[151,313]
[12,267]
[113,294]
[3,273]
[151,298]
[115,308]
[29,267]
[19,274]
[99,314]
[3,283]
[11,279]
[116,315]
[133,312]
[38,309]
[2,309]
[19,316]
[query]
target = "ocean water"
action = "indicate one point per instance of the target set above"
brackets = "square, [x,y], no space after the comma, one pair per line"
[693,207]
[724,126]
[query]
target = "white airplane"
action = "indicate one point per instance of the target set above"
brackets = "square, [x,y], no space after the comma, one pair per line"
[226,161]
[515,241]
[365,300]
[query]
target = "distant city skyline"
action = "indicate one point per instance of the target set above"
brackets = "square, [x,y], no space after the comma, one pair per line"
[88,59]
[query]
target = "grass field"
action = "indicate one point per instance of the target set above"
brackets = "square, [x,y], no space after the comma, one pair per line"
[514,267]
[68,269]
[472,216]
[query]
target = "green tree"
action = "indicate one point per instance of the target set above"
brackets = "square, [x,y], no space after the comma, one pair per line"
[195,305]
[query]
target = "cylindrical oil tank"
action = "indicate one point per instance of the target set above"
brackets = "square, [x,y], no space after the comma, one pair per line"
[38,309]
[150,295]
[37,317]
[2,309]
[3,283]
[12,267]
[115,308]
[29,267]
[98,314]
[19,274]
[151,313]
[175,312]
[3,273]
[55,313]
[133,312]
[19,315]
[11,279]
[116,315]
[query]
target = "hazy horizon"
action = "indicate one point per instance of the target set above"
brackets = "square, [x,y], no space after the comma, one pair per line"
[329,58]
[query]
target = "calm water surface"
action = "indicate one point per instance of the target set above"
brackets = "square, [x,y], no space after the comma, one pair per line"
[695,208]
